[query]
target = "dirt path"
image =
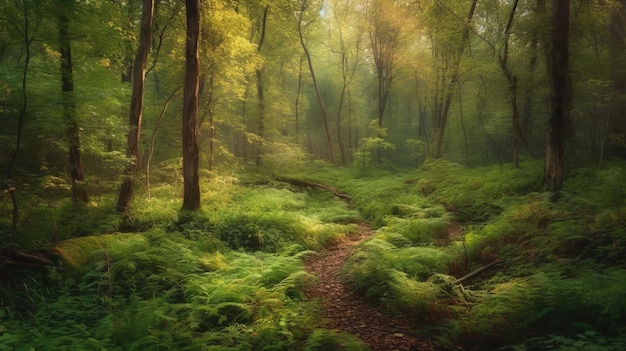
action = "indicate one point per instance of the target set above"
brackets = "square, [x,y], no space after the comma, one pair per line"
[350,312]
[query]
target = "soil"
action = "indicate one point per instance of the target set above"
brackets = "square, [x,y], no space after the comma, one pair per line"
[350,312]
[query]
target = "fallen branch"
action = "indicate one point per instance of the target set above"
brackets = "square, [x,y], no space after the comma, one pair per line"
[10,259]
[478,271]
[306,184]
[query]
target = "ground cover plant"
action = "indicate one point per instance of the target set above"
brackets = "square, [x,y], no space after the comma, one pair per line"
[229,279]
[557,282]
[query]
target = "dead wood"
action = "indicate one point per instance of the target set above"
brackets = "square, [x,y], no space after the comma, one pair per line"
[10,259]
[478,271]
[307,184]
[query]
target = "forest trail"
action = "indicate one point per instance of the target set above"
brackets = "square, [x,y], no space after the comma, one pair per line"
[349,312]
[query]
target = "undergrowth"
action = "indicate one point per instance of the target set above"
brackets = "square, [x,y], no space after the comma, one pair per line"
[558,284]
[228,278]
[231,277]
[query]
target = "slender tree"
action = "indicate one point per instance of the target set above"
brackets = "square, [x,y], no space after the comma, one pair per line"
[539,10]
[349,62]
[304,7]
[136,108]
[448,62]
[191,179]
[559,118]
[512,80]
[260,85]
[27,39]
[384,34]
[79,191]
[616,123]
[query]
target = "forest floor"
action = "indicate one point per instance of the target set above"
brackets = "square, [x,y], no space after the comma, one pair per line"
[350,312]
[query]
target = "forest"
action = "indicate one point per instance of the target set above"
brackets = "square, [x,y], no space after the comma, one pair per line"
[312,175]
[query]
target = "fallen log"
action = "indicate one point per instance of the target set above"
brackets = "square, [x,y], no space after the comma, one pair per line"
[10,259]
[306,184]
[478,271]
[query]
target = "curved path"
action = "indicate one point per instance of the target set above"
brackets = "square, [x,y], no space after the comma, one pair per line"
[352,313]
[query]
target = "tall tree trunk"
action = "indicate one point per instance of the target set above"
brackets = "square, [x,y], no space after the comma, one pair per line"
[512,80]
[260,91]
[443,98]
[298,93]
[136,108]
[153,138]
[384,40]
[27,40]
[465,146]
[342,96]
[527,104]
[79,192]
[329,143]
[616,124]
[559,119]
[191,193]
[347,76]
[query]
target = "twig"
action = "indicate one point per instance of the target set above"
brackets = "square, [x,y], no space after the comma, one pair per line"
[478,271]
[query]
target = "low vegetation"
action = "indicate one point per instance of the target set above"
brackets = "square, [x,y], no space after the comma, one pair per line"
[232,276]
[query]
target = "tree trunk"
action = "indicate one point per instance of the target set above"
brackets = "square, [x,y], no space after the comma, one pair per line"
[79,192]
[260,91]
[559,119]
[27,40]
[616,124]
[329,143]
[136,108]
[298,93]
[512,80]
[443,98]
[191,193]
[527,108]
[153,138]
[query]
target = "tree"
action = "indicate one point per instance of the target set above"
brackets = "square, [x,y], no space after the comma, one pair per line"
[617,125]
[559,118]
[26,39]
[191,179]
[447,58]
[304,8]
[512,80]
[79,192]
[384,35]
[350,59]
[259,83]
[136,108]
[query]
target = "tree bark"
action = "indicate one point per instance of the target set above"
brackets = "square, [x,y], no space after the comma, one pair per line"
[191,193]
[559,119]
[79,192]
[136,108]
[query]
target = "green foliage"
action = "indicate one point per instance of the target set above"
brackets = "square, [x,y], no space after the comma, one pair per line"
[371,148]
[324,339]
[398,276]
[177,285]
